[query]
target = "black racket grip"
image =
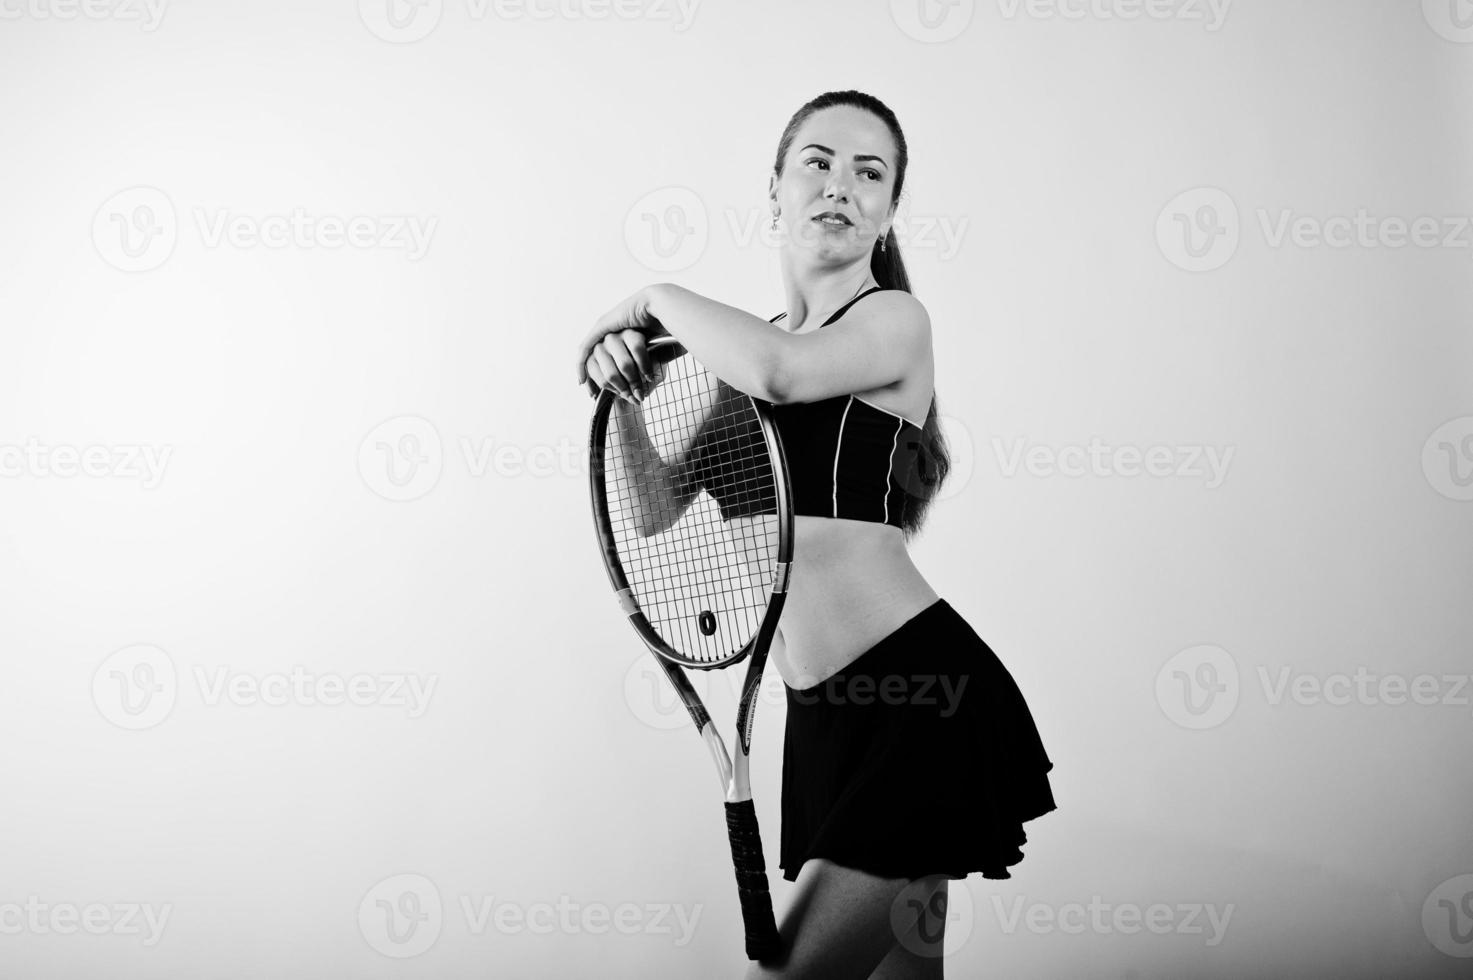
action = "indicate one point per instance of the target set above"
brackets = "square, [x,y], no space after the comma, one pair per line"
[763,941]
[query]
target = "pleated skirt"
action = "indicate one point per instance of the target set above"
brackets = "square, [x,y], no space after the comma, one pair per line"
[919,758]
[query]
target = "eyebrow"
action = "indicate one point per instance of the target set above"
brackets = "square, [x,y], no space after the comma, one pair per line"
[863,156]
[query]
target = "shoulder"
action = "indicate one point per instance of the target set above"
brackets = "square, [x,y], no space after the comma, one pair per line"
[895,306]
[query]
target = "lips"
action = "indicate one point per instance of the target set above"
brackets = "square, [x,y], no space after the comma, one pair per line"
[837,218]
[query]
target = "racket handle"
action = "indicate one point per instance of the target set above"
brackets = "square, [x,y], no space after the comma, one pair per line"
[751,873]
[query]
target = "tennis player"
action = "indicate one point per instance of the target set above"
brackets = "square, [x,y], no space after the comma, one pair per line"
[911,757]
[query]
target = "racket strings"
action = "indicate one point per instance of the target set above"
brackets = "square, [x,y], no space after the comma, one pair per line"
[703,582]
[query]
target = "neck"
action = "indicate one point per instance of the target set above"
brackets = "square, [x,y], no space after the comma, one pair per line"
[812,297]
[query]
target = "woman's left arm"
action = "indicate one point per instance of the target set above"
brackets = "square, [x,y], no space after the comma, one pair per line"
[741,349]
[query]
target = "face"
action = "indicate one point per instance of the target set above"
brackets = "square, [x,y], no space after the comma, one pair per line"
[842,160]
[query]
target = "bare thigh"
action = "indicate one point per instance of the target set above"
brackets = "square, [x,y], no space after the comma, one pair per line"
[845,923]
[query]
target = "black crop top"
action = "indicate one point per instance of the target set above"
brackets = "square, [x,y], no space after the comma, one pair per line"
[847,457]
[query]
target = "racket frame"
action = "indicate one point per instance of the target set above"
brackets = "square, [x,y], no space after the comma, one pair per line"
[734,772]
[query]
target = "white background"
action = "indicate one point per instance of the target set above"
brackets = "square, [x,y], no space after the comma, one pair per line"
[324,505]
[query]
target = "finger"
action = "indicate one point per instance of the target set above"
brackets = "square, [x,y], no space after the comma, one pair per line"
[589,342]
[616,348]
[639,348]
[612,376]
[592,373]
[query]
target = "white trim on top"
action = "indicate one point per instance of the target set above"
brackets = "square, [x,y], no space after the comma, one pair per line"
[890,465]
[886,410]
[838,445]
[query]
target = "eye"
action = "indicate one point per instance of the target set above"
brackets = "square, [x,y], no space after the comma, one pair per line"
[874,174]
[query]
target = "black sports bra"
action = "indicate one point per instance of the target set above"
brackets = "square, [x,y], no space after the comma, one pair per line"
[847,457]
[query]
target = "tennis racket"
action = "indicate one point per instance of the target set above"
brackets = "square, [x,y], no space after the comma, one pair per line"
[701,576]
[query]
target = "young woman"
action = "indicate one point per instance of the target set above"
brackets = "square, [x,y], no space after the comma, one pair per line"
[911,757]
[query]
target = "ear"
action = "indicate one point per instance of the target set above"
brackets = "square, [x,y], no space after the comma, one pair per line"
[772,188]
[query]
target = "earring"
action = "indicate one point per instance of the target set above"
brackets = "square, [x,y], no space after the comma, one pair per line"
[882,241]
[774,219]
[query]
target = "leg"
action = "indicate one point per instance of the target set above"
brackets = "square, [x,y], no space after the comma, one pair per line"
[839,923]
[918,955]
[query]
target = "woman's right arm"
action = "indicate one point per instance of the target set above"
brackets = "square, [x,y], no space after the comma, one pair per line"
[662,490]
[666,487]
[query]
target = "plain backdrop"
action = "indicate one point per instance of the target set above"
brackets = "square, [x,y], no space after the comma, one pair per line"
[308,655]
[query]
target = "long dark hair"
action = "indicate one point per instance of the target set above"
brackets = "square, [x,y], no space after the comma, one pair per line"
[932,459]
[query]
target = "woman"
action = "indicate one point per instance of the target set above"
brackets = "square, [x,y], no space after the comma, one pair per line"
[911,758]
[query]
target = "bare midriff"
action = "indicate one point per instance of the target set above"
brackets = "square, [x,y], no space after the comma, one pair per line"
[852,584]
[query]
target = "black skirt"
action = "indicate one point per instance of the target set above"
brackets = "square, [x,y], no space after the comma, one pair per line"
[919,758]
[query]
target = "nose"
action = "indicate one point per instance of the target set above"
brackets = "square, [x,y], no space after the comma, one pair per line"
[837,187]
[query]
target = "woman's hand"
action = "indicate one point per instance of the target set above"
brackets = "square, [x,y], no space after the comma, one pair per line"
[622,362]
[610,337]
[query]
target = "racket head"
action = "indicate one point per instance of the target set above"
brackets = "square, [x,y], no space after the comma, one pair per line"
[696,536]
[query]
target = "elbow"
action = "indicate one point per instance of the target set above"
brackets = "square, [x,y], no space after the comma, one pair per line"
[773,385]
